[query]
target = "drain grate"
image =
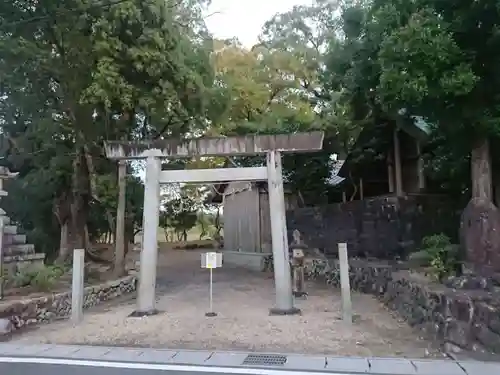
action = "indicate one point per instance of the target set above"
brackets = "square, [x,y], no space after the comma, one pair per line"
[264,360]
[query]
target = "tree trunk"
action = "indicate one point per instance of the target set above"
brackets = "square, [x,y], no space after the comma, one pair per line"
[78,234]
[217,222]
[481,174]
[203,230]
[62,211]
[63,243]
[119,265]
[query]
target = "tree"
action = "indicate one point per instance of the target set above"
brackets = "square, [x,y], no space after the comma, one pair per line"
[137,73]
[182,215]
[276,87]
[302,36]
[259,91]
[438,60]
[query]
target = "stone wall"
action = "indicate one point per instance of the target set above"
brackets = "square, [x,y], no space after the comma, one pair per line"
[381,227]
[49,307]
[459,319]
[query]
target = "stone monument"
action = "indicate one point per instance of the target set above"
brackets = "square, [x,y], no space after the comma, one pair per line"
[480,236]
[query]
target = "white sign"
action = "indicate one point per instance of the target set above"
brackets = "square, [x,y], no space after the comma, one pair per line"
[211,260]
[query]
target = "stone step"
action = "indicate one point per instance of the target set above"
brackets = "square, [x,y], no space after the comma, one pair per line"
[21,249]
[14,239]
[36,258]
[10,229]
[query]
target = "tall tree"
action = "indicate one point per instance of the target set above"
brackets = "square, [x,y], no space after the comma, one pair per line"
[440,60]
[77,72]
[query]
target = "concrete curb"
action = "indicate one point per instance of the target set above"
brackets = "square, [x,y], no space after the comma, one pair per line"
[240,360]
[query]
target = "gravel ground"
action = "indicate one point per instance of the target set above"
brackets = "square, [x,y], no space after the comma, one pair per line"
[242,300]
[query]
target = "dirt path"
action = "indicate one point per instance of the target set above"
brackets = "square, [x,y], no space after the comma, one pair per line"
[242,300]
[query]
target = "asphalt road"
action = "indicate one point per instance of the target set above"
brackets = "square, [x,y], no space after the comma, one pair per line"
[36,369]
[49,369]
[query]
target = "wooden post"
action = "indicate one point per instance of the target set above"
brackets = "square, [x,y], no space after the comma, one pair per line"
[397,163]
[77,286]
[119,266]
[344,197]
[146,299]
[361,191]
[2,274]
[281,262]
[390,173]
[420,168]
[345,287]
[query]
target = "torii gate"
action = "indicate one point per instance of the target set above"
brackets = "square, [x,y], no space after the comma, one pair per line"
[153,152]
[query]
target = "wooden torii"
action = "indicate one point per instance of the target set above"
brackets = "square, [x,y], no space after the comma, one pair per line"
[270,145]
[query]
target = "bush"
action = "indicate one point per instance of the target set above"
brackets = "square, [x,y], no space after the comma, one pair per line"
[441,254]
[41,279]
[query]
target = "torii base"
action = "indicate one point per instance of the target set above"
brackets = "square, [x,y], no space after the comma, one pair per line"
[142,314]
[278,311]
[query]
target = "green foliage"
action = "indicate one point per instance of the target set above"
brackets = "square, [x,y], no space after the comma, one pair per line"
[434,59]
[139,70]
[441,254]
[41,279]
[75,74]
[179,213]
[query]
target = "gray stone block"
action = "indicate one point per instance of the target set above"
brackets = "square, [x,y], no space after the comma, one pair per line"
[90,352]
[391,366]
[33,350]
[189,357]
[9,349]
[437,367]
[354,364]
[480,368]
[123,354]
[6,328]
[157,355]
[305,362]
[61,351]
[226,359]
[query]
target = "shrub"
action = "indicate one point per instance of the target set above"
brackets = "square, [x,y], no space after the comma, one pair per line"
[441,254]
[41,279]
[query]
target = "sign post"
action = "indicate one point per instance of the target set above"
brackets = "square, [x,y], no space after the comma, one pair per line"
[77,286]
[211,260]
[345,287]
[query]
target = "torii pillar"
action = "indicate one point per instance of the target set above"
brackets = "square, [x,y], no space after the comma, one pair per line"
[270,145]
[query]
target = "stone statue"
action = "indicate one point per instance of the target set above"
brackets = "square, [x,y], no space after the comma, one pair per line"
[297,261]
[296,238]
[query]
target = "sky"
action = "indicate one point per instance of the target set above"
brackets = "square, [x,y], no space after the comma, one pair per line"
[244,18]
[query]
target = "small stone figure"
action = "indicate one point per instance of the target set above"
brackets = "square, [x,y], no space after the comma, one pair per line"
[298,255]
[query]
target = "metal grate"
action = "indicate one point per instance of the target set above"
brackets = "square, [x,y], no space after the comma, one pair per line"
[265,360]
